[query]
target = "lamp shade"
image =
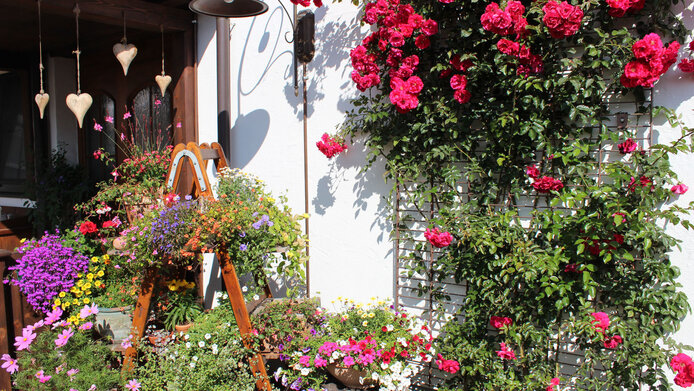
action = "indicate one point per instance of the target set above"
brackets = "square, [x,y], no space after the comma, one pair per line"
[230,9]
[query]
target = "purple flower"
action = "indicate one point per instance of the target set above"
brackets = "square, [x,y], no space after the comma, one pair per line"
[296,385]
[242,234]
[257,224]
[243,247]
[280,347]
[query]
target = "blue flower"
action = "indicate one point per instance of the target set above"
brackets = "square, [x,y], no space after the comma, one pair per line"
[257,224]
[243,247]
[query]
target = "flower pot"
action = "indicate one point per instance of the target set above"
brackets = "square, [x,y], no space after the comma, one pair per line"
[114,323]
[183,327]
[350,376]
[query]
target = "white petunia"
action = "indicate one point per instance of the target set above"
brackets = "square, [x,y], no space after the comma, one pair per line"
[201,344]
[208,336]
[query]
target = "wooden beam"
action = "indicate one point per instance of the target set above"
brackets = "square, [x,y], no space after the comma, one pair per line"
[139,14]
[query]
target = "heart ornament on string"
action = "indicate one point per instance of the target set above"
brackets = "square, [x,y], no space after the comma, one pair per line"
[125,53]
[41,100]
[79,104]
[163,81]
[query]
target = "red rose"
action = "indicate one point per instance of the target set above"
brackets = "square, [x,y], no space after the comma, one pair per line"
[500,321]
[649,47]
[422,42]
[396,39]
[462,96]
[547,184]
[613,341]
[686,65]
[88,227]
[627,146]
[562,19]
[430,27]
[458,82]
[508,47]
[532,171]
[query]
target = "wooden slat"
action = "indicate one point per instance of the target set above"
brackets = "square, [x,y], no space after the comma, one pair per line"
[140,314]
[140,14]
[5,379]
[243,320]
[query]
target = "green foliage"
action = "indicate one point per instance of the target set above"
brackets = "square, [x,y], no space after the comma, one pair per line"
[94,360]
[183,306]
[58,186]
[209,357]
[597,245]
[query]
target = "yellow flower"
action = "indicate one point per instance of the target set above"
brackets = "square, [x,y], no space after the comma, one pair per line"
[85,300]
[56,302]
[95,259]
[74,290]
[371,315]
[106,257]
[88,292]
[365,323]
[61,294]
[22,241]
[86,286]
[64,306]
[78,294]
[173,287]
[90,276]
[100,273]
[98,283]
[80,282]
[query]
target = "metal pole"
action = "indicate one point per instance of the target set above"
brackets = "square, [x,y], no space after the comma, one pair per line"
[308,275]
[223,86]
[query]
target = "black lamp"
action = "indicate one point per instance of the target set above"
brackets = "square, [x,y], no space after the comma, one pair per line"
[228,9]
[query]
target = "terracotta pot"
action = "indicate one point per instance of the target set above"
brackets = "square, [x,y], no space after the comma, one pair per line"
[350,377]
[183,327]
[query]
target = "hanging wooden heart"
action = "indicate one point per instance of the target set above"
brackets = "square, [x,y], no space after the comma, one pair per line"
[163,81]
[125,53]
[41,100]
[79,104]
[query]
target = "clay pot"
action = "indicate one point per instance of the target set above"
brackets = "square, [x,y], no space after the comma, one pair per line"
[350,376]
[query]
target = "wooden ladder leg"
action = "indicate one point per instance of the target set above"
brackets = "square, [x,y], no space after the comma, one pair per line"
[242,319]
[140,314]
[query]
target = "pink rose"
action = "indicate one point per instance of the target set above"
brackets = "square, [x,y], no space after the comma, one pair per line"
[500,321]
[532,171]
[627,146]
[600,321]
[438,238]
[612,342]
[458,82]
[679,188]
[562,19]
[506,353]
[462,96]
[422,41]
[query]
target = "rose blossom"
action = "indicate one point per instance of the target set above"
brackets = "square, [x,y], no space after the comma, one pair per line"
[547,184]
[438,238]
[627,146]
[600,321]
[680,188]
[506,353]
[562,19]
[450,366]
[612,342]
[500,321]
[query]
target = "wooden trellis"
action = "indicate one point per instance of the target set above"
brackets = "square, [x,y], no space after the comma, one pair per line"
[197,157]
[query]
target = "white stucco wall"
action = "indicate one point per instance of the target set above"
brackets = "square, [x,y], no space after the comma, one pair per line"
[351,254]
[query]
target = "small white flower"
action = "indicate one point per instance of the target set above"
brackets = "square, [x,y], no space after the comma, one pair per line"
[389,327]
[192,365]
[374,376]
[305,372]
[187,345]
[186,337]
[214,348]
[256,297]
[195,358]
[201,344]
[208,336]
[244,289]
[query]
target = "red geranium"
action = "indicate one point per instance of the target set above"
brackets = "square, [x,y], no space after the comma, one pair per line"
[88,228]
[562,19]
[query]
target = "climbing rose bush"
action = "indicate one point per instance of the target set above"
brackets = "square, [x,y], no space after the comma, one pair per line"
[499,149]
[331,146]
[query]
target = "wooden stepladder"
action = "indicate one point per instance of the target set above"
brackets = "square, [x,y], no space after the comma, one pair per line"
[197,157]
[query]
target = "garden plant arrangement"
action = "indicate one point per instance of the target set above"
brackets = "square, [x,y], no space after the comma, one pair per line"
[485,105]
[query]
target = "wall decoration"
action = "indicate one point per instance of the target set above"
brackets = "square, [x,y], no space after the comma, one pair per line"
[125,52]
[42,97]
[162,80]
[78,103]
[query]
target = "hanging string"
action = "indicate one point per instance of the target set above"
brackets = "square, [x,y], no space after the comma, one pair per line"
[77,52]
[161,27]
[125,37]
[40,49]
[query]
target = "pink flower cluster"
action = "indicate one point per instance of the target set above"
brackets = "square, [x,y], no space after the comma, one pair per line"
[553,383]
[619,8]
[506,353]
[687,65]
[459,81]
[507,21]
[500,321]
[652,61]
[396,22]
[450,366]
[562,19]
[601,321]
[306,3]
[528,63]
[330,145]
[680,188]
[627,146]
[438,238]
[684,367]
[543,184]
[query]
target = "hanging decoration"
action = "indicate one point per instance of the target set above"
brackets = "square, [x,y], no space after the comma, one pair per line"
[162,80]
[41,98]
[125,52]
[78,103]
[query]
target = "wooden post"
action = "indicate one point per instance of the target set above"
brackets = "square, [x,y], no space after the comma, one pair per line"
[242,319]
[5,379]
[140,317]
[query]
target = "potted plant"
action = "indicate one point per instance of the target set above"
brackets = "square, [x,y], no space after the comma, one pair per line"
[183,305]
[362,346]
